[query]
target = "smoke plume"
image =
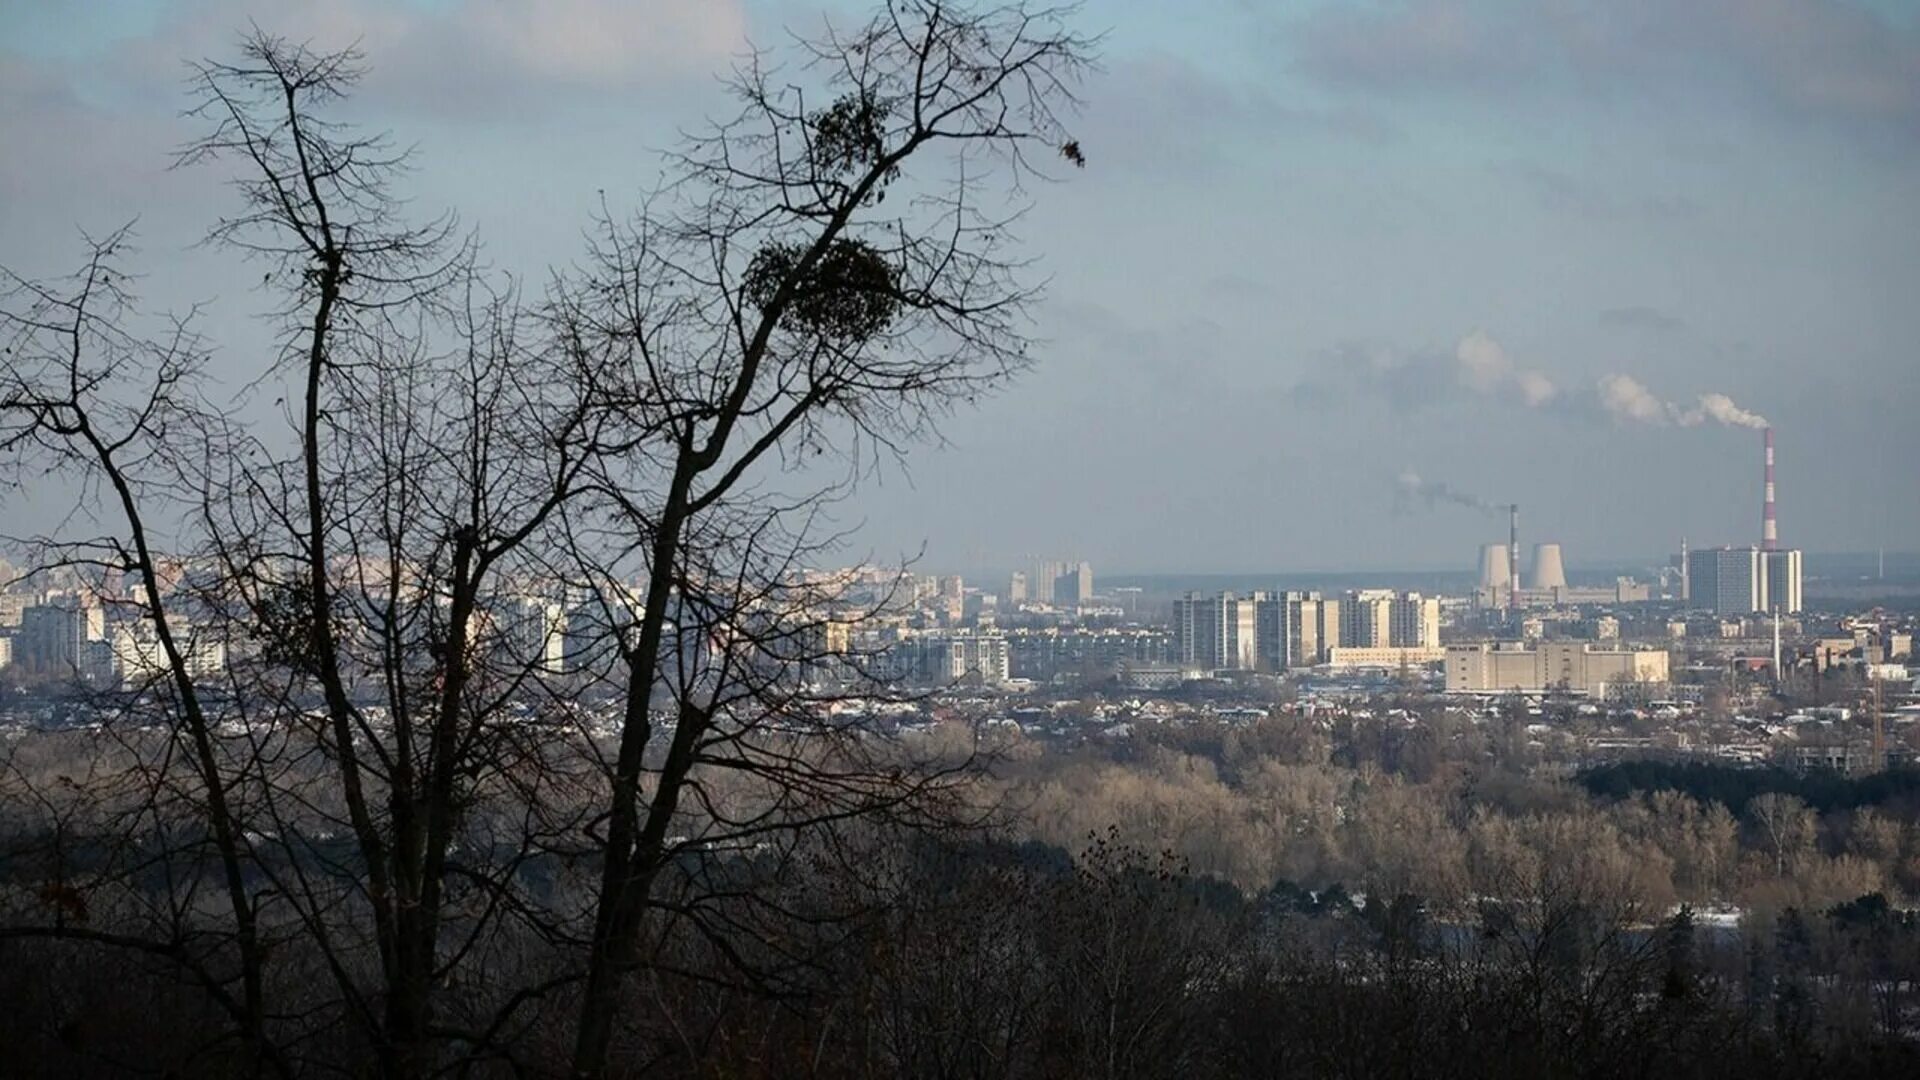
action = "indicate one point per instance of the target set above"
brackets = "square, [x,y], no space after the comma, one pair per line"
[1628,400]
[1410,489]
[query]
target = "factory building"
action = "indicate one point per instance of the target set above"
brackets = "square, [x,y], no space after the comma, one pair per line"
[1350,658]
[1489,668]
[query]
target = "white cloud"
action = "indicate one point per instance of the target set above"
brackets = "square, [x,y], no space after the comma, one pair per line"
[1827,61]
[1485,368]
[472,56]
[1627,398]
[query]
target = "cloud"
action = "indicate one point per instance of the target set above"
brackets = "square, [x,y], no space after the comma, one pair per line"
[1565,193]
[461,58]
[1164,114]
[1627,398]
[1810,61]
[1640,317]
[1422,43]
[600,41]
[1477,366]
[1407,381]
[1483,363]
[1484,367]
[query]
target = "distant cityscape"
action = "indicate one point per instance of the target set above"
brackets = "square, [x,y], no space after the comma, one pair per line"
[1710,618]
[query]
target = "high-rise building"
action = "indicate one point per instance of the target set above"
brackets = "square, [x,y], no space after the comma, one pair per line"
[138,658]
[1040,584]
[1366,619]
[1074,585]
[52,638]
[1783,580]
[1270,632]
[945,656]
[1017,588]
[532,632]
[1727,580]
[1312,629]
[1383,619]
[1280,631]
[1217,632]
[1415,622]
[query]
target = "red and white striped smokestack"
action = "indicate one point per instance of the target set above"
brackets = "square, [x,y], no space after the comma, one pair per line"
[1769,529]
[1513,557]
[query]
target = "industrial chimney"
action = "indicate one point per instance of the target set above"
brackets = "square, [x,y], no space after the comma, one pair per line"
[1769,530]
[1513,556]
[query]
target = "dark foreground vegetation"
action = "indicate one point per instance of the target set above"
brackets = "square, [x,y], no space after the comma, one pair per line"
[993,960]
[1735,787]
[1493,920]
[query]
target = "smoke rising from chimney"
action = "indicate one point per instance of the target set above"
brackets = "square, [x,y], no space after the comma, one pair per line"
[1479,367]
[1410,488]
[1721,409]
[1627,399]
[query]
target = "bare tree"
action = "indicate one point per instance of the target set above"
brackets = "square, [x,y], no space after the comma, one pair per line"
[89,397]
[1784,827]
[829,272]
[409,795]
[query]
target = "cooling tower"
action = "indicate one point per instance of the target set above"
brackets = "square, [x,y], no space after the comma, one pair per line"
[1494,571]
[1548,572]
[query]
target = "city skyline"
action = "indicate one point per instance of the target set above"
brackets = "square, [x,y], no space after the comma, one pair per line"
[1508,256]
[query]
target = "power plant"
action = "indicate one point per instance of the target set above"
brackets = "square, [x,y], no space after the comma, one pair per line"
[1548,571]
[1494,568]
[1728,580]
[1499,575]
[1742,580]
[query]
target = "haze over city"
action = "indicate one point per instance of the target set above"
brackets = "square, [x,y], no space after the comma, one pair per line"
[1325,245]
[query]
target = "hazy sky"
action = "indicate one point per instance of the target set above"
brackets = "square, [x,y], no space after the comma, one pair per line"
[1506,245]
